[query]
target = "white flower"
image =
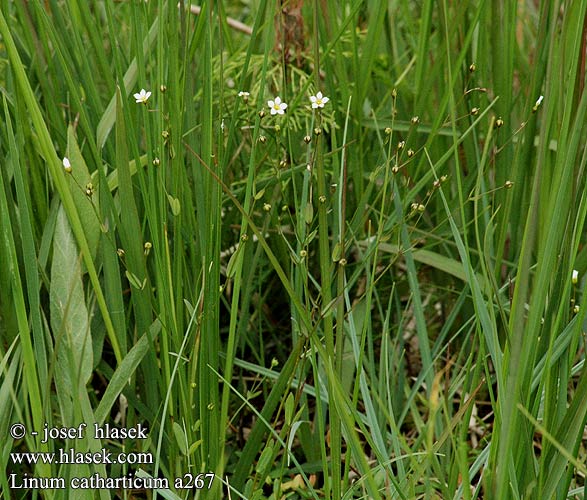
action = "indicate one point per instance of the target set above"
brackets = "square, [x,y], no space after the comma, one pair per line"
[575,278]
[318,100]
[66,164]
[277,107]
[142,97]
[243,93]
[539,101]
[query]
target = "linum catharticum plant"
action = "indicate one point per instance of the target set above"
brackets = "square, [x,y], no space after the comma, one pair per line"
[317,249]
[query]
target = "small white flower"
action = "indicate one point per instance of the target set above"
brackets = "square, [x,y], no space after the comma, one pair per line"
[539,101]
[243,93]
[575,278]
[142,97]
[318,100]
[277,107]
[66,164]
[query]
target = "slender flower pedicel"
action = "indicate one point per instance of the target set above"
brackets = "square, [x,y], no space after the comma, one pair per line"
[318,100]
[277,107]
[142,97]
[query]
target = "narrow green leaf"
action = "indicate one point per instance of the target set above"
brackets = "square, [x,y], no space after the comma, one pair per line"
[174,204]
[265,460]
[125,371]
[289,408]
[308,212]
[180,438]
